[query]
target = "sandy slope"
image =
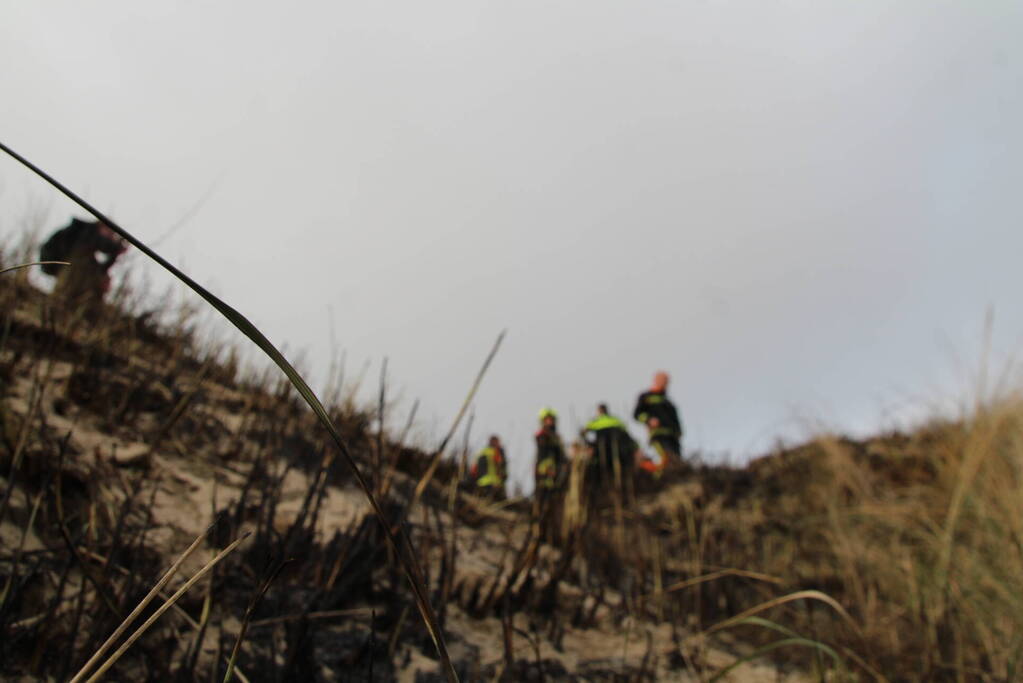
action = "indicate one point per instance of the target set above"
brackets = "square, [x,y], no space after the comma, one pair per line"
[201,465]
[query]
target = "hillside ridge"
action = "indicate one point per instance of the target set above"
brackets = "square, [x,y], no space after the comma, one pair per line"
[122,441]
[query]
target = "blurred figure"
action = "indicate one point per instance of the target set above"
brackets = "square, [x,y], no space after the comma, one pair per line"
[614,451]
[658,413]
[91,248]
[490,470]
[551,473]
[550,453]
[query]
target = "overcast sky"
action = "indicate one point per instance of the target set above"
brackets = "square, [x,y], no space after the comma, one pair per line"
[800,209]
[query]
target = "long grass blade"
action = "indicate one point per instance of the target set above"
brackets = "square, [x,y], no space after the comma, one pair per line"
[798,595]
[34,263]
[785,631]
[784,642]
[696,580]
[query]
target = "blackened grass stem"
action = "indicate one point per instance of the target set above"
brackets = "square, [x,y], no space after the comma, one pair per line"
[435,460]
[472,392]
[248,619]
[378,455]
[87,573]
[393,466]
[408,560]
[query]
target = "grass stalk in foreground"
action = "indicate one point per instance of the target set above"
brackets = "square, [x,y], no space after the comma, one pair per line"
[798,595]
[35,263]
[141,606]
[395,537]
[791,638]
[163,608]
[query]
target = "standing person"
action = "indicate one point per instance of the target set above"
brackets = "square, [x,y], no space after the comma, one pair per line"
[86,280]
[550,453]
[614,450]
[490,470]
[658,413]
[550,474]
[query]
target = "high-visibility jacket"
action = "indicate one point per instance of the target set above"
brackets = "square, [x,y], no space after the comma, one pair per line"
[602,422]
[489,469]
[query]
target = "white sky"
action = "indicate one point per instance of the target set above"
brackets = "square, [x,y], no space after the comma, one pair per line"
[801,209]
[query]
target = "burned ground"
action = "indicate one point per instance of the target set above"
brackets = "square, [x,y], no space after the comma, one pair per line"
[122,439]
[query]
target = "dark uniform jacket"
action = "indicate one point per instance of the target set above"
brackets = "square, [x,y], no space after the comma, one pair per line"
[82,237]
[610,440]
[656,404]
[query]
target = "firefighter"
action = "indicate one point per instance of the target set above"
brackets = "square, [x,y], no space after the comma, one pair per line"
[658,413]
[87,279]
[490,470]
[550,475]
[614,451]
[550,453]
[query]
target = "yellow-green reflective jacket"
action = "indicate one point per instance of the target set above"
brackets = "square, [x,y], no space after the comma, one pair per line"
[547,473]
[604,422]
[491,473]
